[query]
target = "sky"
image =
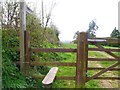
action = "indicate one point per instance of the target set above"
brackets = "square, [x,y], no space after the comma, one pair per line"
[74,15]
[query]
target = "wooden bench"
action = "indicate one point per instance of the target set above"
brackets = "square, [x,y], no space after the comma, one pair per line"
[49,78]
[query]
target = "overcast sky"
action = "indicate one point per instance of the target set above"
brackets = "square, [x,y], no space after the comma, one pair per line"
[74,15]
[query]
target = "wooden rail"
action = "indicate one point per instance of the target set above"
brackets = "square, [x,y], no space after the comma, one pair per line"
[103,59]
[73,77]
[104,78]
[57,77]
[104,40]
[100,49]
[36,63]
[52,50]
[112,69]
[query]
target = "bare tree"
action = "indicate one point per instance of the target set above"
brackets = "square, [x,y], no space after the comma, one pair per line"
[1,10]
[10,14]
[45,17]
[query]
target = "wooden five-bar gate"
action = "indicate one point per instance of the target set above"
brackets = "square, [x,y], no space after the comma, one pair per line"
[82,59]
[81,51]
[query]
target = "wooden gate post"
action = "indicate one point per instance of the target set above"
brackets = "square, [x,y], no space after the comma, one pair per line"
[82,56]
[27,52]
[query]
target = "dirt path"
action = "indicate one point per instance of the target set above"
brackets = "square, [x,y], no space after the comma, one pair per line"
[105,83]
[108,83]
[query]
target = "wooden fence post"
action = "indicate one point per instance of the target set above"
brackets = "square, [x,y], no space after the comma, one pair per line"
[22,29]
[27,52]
[82,55]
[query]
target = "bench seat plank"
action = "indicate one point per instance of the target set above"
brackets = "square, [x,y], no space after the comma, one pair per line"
[49,78]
